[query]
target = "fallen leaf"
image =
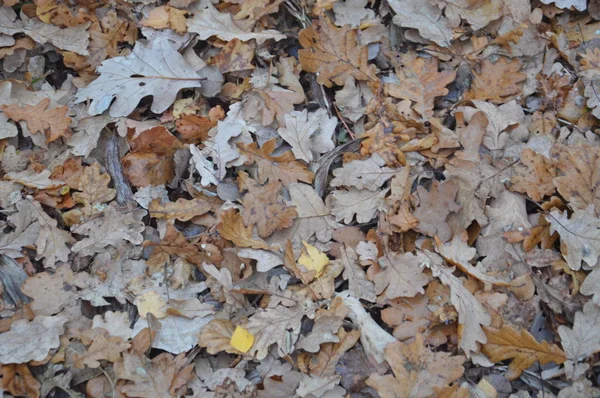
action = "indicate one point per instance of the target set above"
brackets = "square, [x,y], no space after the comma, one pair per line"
[425,17]
[130,78]
[358,285]
[284,167]
[182,209]
[54,123]
[94,190]
[401,275]
[207,22]
[166,17]
[308,133]
[334,54]
[279,325]
[576,174]
[44,330]
[232,228]
[417,370]
[420,82]
[497,82]
[534,176]
[312,259]
[362,203]
[434,208]
[521,347]
[241,339]
[264,207]
[581,341]
[579,236]
[363,174]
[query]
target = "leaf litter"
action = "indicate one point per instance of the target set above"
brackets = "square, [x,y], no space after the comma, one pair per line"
[295,198]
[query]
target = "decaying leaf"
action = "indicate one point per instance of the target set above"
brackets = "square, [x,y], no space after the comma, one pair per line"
[182,210]
[52,122]
[44,330]
[579,236]
[417,370]
[401,275]
[232,228]
[334,53]
[521,347]
[155,69]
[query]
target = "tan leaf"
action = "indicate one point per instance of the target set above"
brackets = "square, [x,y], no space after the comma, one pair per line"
[94,190]
[478,16]
[157,378]
[208,22]
[362,203]
[401,275]
[579,236]
[216,337]
[577,177]
[236,56]
[194,128]
[164,17]
[44,330]
[458,253]
[521,347]
[17,379]
[264,207]
[434,208]
[232,228]
[102,346]
[498,82]
[175,244]
[583,340]
[535,176]
[279,325]
[334,54]
[51,293]
[421,83]
[308,133]
[113,229]
[472,315]
[323,364]
[368,174]
[182,209]
[284,168]
[425,17]
[52,241]
[417,370]
[358,285]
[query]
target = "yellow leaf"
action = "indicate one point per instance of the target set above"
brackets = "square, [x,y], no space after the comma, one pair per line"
[312,259]
[522,348]
[232,228]
[151,302]
[241,339]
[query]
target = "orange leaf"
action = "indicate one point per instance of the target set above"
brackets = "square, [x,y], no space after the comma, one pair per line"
[497,82]
[53,122]
[522,348]
[232,228]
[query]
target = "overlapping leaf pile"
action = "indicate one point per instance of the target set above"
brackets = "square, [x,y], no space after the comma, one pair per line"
[298,198]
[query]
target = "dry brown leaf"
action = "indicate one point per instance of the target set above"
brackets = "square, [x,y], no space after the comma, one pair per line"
[420,82]
[52,122]
[216,337]
[434,208]
[164,17]
[579,236]
[324,363]
[578,178]
[497,82]
[94,190]
[264,207]
[535,176]
[521,347]
[279,325]
[150,161]
[194,128]
[175,244]
[400,275]
[236,56]
[417,370]
[232,228]
[284,167]
[182,209]
[18,381]
[334,54]
[102,347]
[358,285]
